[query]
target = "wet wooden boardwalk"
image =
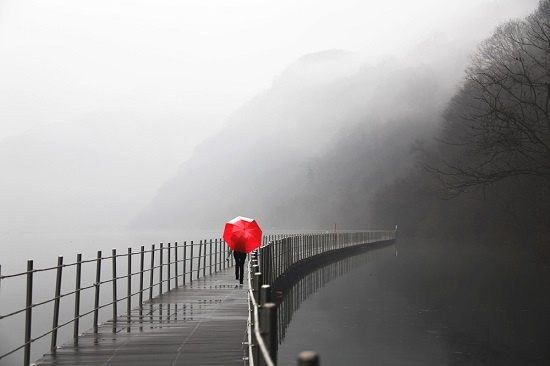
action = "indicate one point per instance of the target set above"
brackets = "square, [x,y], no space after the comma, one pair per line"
[199,324]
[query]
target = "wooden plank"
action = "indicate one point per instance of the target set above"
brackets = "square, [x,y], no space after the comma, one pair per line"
[203,323]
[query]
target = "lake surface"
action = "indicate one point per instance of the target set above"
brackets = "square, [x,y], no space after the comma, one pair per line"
[432,304]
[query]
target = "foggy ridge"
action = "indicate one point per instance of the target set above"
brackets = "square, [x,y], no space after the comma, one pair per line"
[312,150]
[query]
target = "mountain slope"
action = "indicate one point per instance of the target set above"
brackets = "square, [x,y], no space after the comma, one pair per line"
[309,152]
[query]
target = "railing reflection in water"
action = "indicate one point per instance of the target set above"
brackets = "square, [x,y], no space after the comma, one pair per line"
[280,262]
[290,299]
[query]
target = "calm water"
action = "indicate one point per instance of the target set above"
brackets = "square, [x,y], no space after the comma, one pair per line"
[432,304]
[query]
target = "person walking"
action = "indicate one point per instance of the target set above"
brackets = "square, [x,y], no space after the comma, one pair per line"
[242,235]
[240,258]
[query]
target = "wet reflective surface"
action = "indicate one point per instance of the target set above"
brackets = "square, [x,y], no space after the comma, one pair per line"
[200,323]
[432,304]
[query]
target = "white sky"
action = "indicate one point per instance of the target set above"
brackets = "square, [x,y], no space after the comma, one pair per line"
[148,80]
[200,59]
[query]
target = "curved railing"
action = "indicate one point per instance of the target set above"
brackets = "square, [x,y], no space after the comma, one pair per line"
[84,297]
[271,263]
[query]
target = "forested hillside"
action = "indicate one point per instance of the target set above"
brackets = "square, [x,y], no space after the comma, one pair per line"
[488,173]
[418,143]
[313,150]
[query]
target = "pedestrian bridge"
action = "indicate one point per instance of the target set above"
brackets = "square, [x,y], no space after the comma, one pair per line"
[173,304]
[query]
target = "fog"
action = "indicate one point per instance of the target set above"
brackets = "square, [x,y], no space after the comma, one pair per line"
[127,123]
[127,115]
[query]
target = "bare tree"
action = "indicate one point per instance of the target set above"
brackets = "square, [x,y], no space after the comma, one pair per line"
[500,119]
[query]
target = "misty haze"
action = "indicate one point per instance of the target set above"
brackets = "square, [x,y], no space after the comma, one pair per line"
[124,124]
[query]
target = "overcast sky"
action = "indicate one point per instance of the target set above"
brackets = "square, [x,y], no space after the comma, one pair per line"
[201,59]
[146,81]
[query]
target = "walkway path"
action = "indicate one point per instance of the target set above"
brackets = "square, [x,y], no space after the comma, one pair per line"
[199,324]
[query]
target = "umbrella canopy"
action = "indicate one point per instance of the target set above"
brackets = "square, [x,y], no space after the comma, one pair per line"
[242,234]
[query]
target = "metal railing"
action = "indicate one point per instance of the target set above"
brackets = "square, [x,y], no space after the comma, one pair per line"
[270,264]
[144,274]
[123,281]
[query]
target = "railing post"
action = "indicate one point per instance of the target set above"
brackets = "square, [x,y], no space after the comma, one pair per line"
[176,264]
[204,260]
[57,300]
[257,283]
[199,260]
[28,313]
[152,272]
[115,298]
[274,256]
[184,260]
[141,269]
[129,288]
[210,264]
[97,286]
[269,329]
[77,297]
[308,358]
[191,264]
[254,338]
[217,258]
[270,264]
[265,294]
[169,272]
[161,264]
[224,251]
[220,254]
[262,259]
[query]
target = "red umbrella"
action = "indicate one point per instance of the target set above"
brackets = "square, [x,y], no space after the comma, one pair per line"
[242,234]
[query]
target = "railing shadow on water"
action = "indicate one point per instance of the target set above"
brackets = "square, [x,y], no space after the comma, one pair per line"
[90,291]
[304,283]
[294,267]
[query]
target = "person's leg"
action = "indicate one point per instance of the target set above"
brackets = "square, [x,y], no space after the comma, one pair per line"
[236,257]
[241,278]
[240,259]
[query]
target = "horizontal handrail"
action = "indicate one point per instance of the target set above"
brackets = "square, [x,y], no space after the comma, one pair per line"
[257,330]
[160,269]
[166,266]
[272,262]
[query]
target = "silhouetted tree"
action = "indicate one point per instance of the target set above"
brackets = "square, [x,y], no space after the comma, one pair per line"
[499,122]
